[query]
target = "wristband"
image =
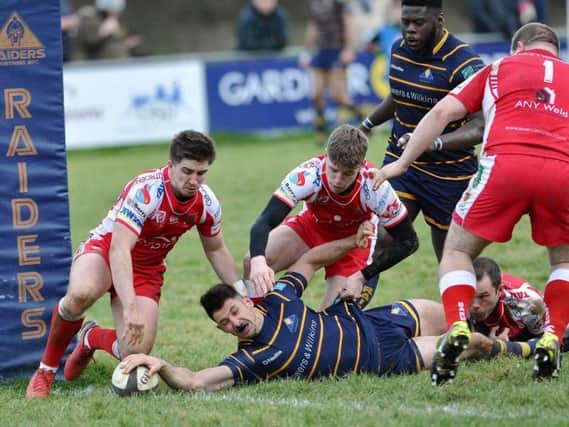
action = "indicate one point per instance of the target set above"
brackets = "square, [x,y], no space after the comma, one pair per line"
[241,288]
[438,144]
[367,123]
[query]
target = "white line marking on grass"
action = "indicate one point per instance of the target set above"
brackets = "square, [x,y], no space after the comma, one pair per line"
[359,406]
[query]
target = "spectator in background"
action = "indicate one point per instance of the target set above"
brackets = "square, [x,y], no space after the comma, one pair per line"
[506,16]
[533,11]
[69,22]
[330,32]
[384,37]
[101,34]
[262,25]
[490,16]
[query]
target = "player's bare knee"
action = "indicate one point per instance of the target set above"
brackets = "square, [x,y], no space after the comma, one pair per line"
[78,301]
[68,311]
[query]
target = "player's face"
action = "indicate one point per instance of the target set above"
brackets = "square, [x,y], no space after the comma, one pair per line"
[238,317]
[340,178]
[419,27]
[484,300]
[187,177]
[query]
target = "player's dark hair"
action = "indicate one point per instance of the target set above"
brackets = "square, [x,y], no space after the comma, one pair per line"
[192,145]
[215,297]
[347,146]
[435,5]
[487,266]
[535,32]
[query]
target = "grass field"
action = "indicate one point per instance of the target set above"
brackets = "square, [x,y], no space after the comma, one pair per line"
[247,170]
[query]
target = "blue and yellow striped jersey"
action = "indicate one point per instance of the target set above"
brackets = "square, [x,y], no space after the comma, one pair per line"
[295,341]
[417,84]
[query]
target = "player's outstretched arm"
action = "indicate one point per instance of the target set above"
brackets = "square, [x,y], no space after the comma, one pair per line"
[209,379]
[330,252]
[466,136]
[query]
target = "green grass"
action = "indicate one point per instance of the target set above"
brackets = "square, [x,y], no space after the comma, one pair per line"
[243,177]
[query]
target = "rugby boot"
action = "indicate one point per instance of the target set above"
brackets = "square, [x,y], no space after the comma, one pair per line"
[81,355]
[449,348]
[547,357]
[40,384]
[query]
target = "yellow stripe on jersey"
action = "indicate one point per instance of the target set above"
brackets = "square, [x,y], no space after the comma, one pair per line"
[277,294]
[296,346]
[468,61]
[411,310]
[431,221]
[290,280]
[405,195]
[261,309]
[358,338]
[410,104]
[240,373]
[407,125]
[317,358]
[438,163]
[460,46]
[409,83]
[340,343]
[410,61]
[246,353]
[441,42]
[274,337]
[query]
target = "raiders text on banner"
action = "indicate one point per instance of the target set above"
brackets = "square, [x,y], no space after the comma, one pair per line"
[35,245]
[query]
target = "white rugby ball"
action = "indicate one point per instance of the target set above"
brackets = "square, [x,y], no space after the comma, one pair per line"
[137,381]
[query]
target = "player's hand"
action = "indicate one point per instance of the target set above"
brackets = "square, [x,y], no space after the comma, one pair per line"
[353,287]
[262,276]
[365,231]
[132,361]
[496,332]
[133,333]
[404,140]
[391,170]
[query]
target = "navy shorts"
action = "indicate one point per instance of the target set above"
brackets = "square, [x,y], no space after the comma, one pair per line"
[435,197]
[327,59]
[394,326]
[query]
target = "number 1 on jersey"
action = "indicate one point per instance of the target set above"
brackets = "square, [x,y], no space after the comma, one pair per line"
[548,72]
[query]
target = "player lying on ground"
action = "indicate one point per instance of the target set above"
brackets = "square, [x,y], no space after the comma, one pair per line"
[282,337]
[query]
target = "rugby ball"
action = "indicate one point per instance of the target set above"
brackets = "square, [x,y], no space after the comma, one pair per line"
[136,382]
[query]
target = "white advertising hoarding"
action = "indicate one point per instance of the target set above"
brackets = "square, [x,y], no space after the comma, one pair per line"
[131,103]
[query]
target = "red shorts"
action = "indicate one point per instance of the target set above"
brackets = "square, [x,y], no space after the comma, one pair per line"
[508,186]
[147,281]
[313,234]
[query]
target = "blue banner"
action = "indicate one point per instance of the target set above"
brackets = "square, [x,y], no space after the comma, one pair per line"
[273,93]
[35,243]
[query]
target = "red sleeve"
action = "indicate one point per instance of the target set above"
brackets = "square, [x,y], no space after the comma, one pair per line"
[471,91]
